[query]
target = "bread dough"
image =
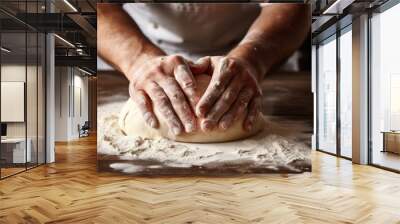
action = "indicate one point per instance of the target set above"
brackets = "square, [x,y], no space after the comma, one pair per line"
[132,124]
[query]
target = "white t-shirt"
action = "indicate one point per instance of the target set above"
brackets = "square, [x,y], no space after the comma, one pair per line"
[194,29]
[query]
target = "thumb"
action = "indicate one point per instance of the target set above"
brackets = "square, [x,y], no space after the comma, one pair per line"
[201,66]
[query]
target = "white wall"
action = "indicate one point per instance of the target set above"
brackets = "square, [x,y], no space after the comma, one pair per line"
[71,102]
[16,73]
[33,126]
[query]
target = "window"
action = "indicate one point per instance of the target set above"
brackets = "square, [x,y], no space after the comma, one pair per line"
[385,89]
[345,43]
[326,91]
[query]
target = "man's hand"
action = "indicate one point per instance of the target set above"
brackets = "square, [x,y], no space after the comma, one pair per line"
[164,82]
[233,90]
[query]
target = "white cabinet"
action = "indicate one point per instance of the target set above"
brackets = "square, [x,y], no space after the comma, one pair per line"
[16,147]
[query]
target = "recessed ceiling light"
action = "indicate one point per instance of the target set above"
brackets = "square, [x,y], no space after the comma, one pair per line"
[70,5]
[84,71]
[5,49]
[64,40]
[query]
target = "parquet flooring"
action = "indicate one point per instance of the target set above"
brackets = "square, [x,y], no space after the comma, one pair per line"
[71,191]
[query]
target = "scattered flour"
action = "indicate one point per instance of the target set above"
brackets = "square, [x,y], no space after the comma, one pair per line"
[274,148]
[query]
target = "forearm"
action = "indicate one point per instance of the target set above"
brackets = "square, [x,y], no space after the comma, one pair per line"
[120,41]
[278,31]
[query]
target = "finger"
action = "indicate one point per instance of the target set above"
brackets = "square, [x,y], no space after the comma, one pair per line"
[187,82]
[253,113]
[179,103]
[144,104]
[237,108]
[223,104]
[163,105]
[219,81]
[201,66]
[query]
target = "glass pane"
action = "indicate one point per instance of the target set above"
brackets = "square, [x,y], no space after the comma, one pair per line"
[385,84]
[345,94]
[31,86]
[13,86]
[31,97]
[327,96]
[41,98]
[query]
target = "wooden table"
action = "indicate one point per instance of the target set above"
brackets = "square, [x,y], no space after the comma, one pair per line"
[287,98]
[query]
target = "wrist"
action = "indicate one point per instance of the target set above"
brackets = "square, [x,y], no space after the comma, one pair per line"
[252,55]
[145,54]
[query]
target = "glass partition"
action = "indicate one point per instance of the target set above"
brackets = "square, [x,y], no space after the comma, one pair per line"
[345,57]
[22,77]
[31,98]
[385,89]
[41,97]
[14,153]
[327,95]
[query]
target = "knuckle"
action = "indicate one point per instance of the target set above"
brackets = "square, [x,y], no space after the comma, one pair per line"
[170,82]
[189,84]
[156,71]
[140,99]
[232,65]
[185,109]
[135,85]
[152,87]
[160,97]
[175,58]
[229,65]
[229,95]
[243,102]
[222,105]
[247,93]
[178,97]
[165,110]
[208,100]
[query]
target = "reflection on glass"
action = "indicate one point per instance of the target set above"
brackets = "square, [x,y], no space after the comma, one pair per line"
[327,96]
[385,87]
[41,99]
[22,90]
[346,94]
[14,153]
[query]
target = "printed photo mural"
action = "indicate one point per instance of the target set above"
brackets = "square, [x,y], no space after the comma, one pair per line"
[204,89]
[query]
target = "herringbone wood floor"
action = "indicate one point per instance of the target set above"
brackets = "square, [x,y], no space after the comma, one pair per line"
[71,191]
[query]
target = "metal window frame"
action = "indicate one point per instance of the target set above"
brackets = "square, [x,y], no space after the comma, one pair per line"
[339,32]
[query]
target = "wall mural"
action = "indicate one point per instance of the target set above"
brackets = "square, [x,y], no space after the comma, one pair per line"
[246,110]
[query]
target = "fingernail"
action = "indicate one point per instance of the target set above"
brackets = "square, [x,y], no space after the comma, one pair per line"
[200,111]
[176,130]
[224,125]
[152,123]
[150,120]
[207,125]
[200,61]
[189,127]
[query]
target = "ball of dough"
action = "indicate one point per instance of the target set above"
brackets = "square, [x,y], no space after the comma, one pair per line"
[132,123]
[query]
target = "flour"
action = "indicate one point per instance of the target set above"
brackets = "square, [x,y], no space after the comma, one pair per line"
[274,148]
